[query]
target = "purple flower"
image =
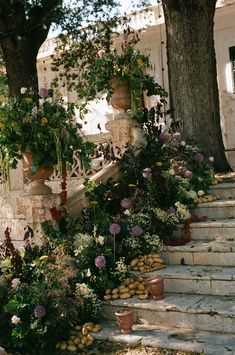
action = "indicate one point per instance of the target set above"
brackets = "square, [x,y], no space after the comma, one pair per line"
[188,174]
[136,230]
[100,261]
[126,203]
[39,311]
[171,210]
[115,228]
[163,137]
[177,136]
[146,173]
[198,157]
[43,92]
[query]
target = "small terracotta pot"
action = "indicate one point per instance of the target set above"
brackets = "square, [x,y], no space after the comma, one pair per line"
[156,287]
[125,321]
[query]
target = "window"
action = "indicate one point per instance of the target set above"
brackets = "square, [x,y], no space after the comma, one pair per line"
[232,60]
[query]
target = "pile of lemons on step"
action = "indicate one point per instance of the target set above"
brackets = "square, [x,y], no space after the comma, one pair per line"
[204,198]
[80,337]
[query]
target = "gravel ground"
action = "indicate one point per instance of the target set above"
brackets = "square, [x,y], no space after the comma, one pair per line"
[106,348]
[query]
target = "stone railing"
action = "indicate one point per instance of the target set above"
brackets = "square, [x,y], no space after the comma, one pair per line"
[103,155]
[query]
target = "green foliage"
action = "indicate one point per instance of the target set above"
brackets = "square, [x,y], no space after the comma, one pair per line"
[45,128]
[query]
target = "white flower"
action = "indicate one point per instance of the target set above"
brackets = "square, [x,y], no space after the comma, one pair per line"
[211,159]
[172,172]
[201,193]
[15,320]
[101,240]
[183,143]
[23,90]
[15,282]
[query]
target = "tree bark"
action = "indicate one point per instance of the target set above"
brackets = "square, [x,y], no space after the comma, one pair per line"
[23,28]
[192,74]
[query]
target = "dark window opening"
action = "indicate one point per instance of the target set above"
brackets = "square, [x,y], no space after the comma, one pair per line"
[232,60]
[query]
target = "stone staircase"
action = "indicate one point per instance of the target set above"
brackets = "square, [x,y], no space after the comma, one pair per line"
[198,310]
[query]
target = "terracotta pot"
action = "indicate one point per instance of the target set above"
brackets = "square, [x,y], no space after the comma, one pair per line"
[121,97]
[37,180]
[125,321]
[156,287]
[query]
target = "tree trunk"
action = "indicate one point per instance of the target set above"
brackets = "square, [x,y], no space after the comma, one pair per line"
[192,74]
[20,56]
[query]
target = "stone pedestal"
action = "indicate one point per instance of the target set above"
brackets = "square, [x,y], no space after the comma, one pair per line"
[36,210]
[124,131]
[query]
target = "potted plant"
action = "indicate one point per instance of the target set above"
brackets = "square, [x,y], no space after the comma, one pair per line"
[42,131]
[123,75]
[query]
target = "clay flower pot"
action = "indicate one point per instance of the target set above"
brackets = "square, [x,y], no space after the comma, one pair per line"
[121,97]
[37,179]
[156,287]
[125,321]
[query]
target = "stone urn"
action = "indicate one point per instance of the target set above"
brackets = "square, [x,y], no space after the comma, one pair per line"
[125,320]
[37,179]
[121,97]
[155,285]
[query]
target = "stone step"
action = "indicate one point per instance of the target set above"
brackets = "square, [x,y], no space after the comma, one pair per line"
[201,312]
[162,337]
[204,280]
[220,209]
[213,230]
[215,252]
[224,190]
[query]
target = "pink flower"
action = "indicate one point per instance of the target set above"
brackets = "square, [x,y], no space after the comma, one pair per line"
[115,228]
[136,230]
[198,157]
[43,92]
[101,53]
[39,311]
[126,203]
[171,210]
[100,261]
[163,137]
[177,136]
[188,174]
[15,320]
[146,173]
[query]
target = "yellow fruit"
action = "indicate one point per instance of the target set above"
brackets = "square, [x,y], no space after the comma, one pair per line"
[77,341]
[124,290]
[141,287]
[115,291]
[115,296]
[107,298]
[63,346]
[108,291]
[95,329]
[57,346]
[143,297]
[134,262]
[70,342]
[72,348]
[81,346]
[127,282]
[89,343]
[90,338]
[83,340]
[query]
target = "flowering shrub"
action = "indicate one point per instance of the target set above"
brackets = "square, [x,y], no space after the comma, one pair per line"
[42,297]
[43,127]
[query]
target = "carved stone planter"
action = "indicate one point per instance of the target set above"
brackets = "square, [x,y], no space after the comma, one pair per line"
[37,179]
